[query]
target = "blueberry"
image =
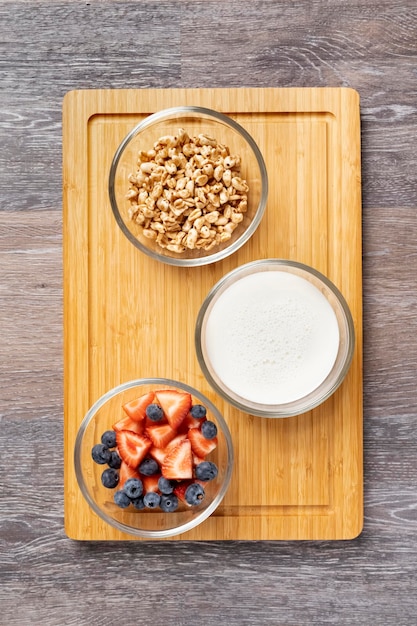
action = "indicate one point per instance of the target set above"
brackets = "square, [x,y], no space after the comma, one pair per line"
[121,499]
[206,470]
[109,439]
[110,478]
[166,486]
[194,494]
[169,503]
[101,454]
[148,467]
[115,460]
[151,499]
[138,503]
[198,411]
[133,488]
[154,412]
[208,429]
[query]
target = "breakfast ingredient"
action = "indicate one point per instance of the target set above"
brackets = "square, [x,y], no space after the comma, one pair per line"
[154,412]
[160,435]
[187,192]
[110,478]
[101,454]
[162,463]
[194,494]
[175,405]
[136,409]
[133,488]
[178,463]
[165,485]
[272,337]
[208,429]
[169,503]
[115,460]
[151,499]
[127,423]
[148,467]
[132,447]
[125,473]
[206,470]
[138,503]
[198,411]
[199,444]
[122,499]
[108,439]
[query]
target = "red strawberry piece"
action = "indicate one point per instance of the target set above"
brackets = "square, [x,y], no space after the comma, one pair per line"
[160,434]
[136,409]
[125,473]
[150,483]
[158,454]
[197,459]
[181,488]
[175,442]
[191,422]
[132,447]
[126,423]
[178,463]
[200,445]
[175,405]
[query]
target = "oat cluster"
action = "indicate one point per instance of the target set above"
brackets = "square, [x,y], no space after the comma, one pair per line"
[187,192]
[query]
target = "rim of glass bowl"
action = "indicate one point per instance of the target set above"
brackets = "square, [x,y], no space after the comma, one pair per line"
[228,121]
[305,403]
[198,519]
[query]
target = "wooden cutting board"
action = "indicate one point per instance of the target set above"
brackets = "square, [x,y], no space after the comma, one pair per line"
[127,316]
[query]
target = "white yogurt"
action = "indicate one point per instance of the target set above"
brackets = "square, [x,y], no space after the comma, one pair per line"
[272,337]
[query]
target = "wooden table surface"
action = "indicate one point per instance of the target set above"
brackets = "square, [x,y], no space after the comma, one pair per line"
[51,47]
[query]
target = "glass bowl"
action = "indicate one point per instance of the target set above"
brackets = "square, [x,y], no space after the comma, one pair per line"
[162,199]
[274,338]
[149,523]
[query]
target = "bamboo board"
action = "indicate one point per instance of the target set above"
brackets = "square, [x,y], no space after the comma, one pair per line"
[127,316]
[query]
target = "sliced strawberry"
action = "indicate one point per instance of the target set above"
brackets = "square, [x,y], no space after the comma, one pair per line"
[150,483]
[175,404]
[197,459]
[126,423]
[191,422]
[181,488]
[178,463]
[136,409]
[158,454]
[126,472]
[132,447]
[175,442]
[160,434]
[200,445]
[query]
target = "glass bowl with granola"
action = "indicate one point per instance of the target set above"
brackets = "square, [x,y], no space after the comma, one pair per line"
[188,186]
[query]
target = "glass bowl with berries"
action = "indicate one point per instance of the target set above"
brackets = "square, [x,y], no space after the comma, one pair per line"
[153,457]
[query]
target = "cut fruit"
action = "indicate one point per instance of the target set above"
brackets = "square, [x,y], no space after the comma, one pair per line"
[175,405]
[126,423]
[178,463]
[150,483]
[200,445]
[136,409]
[125,473]
[191,422]
[160,434]
[132,448]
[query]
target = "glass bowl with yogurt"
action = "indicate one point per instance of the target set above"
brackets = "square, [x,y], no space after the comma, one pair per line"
[275,338]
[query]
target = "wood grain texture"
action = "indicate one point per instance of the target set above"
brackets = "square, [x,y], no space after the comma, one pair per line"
[48,48]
